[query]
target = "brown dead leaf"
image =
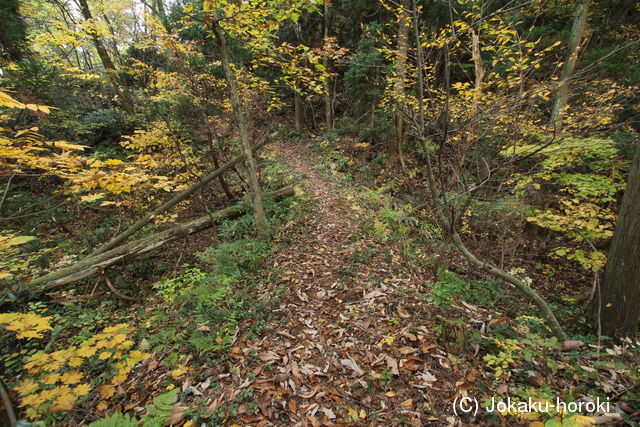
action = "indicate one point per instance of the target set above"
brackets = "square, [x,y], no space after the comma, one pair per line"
[268,356]
[410,336]
[310,394]
[425,348]
[570,345]
[392,364]
[295,370]
[153,364]
[407,350]
[352,365]
[373,294]
[411,365]
[177,414]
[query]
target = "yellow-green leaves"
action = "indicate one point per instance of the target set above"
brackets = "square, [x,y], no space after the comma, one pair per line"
[58,379]
[25,325]
[585,174]
[7,101]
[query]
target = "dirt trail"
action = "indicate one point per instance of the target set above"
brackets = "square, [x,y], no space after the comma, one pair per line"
[353,348]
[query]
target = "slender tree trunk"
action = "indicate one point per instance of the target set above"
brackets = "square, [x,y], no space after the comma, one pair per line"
[577,31]
[297,105]
[216,164]
[401,69]
[127,102]
[328,108]
[162,15]
[472,131]
[615,308]
[252,167]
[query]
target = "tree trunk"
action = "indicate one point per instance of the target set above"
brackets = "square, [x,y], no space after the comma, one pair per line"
[252,167]
[577,31]
[95,264]
[297,105]
[216,164]
[401,69]
[162,15]
[615,308]
[328,108]
[472,132]
[110,68]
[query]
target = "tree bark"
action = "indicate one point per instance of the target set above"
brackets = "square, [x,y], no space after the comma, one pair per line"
[577,31]
[216,164]
[328,108]
[615,308]
[297,106]
[95,264]
[110,68]
[238,110]
[472,132]
[162,15]
[401,68]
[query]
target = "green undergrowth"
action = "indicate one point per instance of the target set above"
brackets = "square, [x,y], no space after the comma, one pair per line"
[200,310]
[191,314]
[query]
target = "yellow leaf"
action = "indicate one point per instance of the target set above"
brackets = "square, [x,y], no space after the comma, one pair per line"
[107,390]
[101,407]
[75,362]
[582,420]
[117,329]
[126,345]
[387,340]
[72,377]
[50,379]
[27,386]
[86,351]
[104,355]
[351,412]
[92,197]
[64,402]
[68,146]
[118,379]
[407,403]
[178,372]
[82,390]
[118,339]
[113,162]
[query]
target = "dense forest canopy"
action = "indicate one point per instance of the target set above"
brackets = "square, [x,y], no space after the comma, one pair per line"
[274,212]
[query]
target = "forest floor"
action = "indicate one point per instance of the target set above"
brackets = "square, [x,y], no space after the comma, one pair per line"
[346,315]
[355,347]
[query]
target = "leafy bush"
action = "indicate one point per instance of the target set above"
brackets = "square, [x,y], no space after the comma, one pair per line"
[450,287]
[100,126]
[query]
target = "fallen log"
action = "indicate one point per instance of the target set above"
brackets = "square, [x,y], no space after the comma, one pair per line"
[171,203]
[96,263]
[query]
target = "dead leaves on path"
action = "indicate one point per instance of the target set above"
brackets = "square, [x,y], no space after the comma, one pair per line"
[355,346]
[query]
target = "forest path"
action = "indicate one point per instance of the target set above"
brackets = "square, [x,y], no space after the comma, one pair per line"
[352,346]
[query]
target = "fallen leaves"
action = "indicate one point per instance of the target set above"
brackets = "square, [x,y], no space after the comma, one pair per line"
[352,365]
